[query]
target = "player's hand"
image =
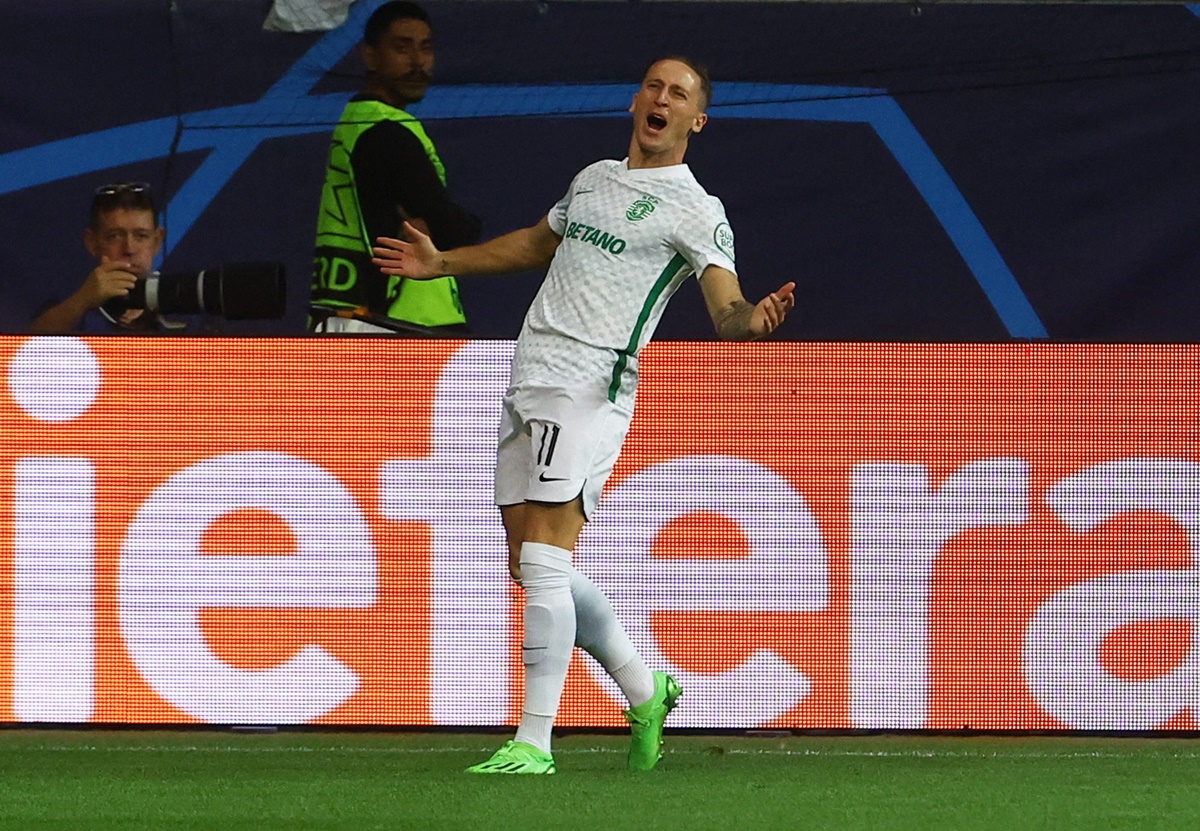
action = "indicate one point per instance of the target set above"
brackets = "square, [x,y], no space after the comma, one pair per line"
[108,280]
[771,310]
[417,259]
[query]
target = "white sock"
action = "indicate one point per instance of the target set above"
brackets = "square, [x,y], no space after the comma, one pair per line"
[635,680]
[549,637]
[535,730]
[599,633]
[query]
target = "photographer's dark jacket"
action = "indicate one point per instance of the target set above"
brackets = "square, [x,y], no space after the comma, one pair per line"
[106,320]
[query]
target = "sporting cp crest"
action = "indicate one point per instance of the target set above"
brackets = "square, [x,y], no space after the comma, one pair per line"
[642,208]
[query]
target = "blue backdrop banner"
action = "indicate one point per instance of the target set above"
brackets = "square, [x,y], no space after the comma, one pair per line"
[947,173]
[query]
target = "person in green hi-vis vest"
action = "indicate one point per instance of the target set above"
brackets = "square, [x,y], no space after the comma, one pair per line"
[383,170]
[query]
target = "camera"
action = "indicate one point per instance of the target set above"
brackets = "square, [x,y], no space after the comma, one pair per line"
[234,291]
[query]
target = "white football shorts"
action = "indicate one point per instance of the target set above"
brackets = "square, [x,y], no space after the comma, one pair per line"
[556,444]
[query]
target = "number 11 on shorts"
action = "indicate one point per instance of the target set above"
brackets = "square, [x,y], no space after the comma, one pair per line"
[546,448]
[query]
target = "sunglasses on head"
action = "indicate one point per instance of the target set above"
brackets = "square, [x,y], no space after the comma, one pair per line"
[123,187]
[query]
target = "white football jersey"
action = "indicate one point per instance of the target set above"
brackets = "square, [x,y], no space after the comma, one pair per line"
[630,238]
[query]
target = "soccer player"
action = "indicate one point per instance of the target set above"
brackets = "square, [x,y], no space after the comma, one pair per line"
[625,236]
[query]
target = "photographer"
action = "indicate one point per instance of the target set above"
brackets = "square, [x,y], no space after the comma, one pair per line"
[124,236]
[123,293]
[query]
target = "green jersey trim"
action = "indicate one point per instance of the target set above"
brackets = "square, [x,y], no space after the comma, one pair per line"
[674,268]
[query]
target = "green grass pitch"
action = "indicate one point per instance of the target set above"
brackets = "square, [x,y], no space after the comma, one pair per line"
[133,779]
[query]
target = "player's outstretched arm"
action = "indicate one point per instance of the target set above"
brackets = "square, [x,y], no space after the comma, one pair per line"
[420,259]
[733,315]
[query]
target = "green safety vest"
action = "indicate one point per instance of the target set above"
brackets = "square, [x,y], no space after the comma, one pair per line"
[343,275]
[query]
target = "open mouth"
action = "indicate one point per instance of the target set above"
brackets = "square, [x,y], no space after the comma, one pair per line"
[655,122]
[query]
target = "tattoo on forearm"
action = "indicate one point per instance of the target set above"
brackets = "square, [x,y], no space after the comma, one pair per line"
[733,322]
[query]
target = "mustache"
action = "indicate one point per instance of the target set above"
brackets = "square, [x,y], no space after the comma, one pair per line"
[416,76]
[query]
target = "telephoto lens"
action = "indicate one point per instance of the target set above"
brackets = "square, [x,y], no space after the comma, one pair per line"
[235,291]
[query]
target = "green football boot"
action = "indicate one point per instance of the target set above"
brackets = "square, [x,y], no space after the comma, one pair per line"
[516,757]
[646,723]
